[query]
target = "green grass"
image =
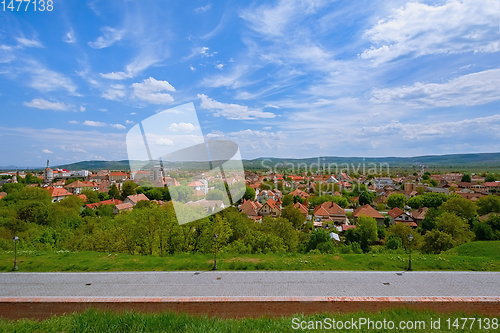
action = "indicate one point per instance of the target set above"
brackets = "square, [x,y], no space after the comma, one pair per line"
[479,256]
[97,321]
[489,249]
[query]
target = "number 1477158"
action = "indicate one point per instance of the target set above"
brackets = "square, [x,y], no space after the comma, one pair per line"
[27,5]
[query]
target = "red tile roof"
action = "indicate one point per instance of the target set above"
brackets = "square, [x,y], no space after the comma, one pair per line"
[395,212]
[367,210]
[58,192]
[123,206]
[331,208]
[105,202]
[138,197]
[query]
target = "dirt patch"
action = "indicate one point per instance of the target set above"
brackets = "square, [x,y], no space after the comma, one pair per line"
[338,258]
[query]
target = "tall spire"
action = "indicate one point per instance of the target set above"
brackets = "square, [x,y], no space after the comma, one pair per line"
[47,163]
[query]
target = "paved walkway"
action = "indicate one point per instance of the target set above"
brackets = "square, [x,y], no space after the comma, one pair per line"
[251,284]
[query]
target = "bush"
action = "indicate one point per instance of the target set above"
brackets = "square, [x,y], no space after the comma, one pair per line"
[394,242]
[436,241]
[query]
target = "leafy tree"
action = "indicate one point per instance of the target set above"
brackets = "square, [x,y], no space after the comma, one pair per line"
[429,222]
[436,241]
[287,200]
[427,200]
[320,239]
[366,198]
[396,200]
[113,192]
[459,206]
[352,235]
[455,226]
[381,231]
[128,188]
[367,228]
[483,231]
[145,183]
[92,196]
[106,210]
[87,212]
[402,231]
[293,215]
[282,228]
[488,204]
[466,178]
[103,196]
[494,221]
[181,193]
[394,242]
[249,193]
[490,178]
[215,195]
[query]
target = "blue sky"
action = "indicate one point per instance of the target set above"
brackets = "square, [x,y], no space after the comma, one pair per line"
[285,78]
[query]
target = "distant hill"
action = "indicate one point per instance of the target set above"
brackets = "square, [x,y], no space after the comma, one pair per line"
[452,161]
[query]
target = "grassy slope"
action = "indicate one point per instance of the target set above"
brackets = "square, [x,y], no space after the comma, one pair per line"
[477,256]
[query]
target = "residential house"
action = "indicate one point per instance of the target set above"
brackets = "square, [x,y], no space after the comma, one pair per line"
[492,186]
[199,186]
[58,193]
[369,211]
[251,208]
[302,208]
[344,177]
[330,212]
[419,214]
[134,199]
[77,186]
[300,193]
[105,202]
[452,177]
[399,216]
[381,182]
[124,207]
[209,205]
[271,207]
[118,176]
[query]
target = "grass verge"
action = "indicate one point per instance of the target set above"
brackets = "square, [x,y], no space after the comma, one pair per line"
[470,257]
[96,321]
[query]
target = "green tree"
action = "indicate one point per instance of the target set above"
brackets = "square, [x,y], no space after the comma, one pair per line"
[287,200]
[249,193]
[367,228]
[490,178]
[92,196]
[462,207]
[394,242]
[396,200]
[294,215]
[455,226]
[483,231]
[466,178]
[181,193]
[113,192]
[128,188]
[215,195]
[488,204]
[436,241]
[320,239]
[366,198]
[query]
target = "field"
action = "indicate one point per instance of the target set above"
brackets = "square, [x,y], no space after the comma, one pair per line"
[94,321]
[476,256]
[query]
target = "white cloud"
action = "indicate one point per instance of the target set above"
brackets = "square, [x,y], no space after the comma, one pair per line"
[117,75]
[109,37]
[472,89]
[69,37]
[44,79]
[192,68]
[419,29]
[129,122]
[203,9]
[118,126]
[164,142]
[115,92]
[182,127]
[73,149]
[150,90]
[73,122]
[267,128]
[82,108]
[29,42]
[417,132]
[232,111]
[46,151]
[94,123]
[46,105]
[219,66]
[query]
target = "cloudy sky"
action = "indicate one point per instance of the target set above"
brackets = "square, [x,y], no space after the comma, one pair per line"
[289,78]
